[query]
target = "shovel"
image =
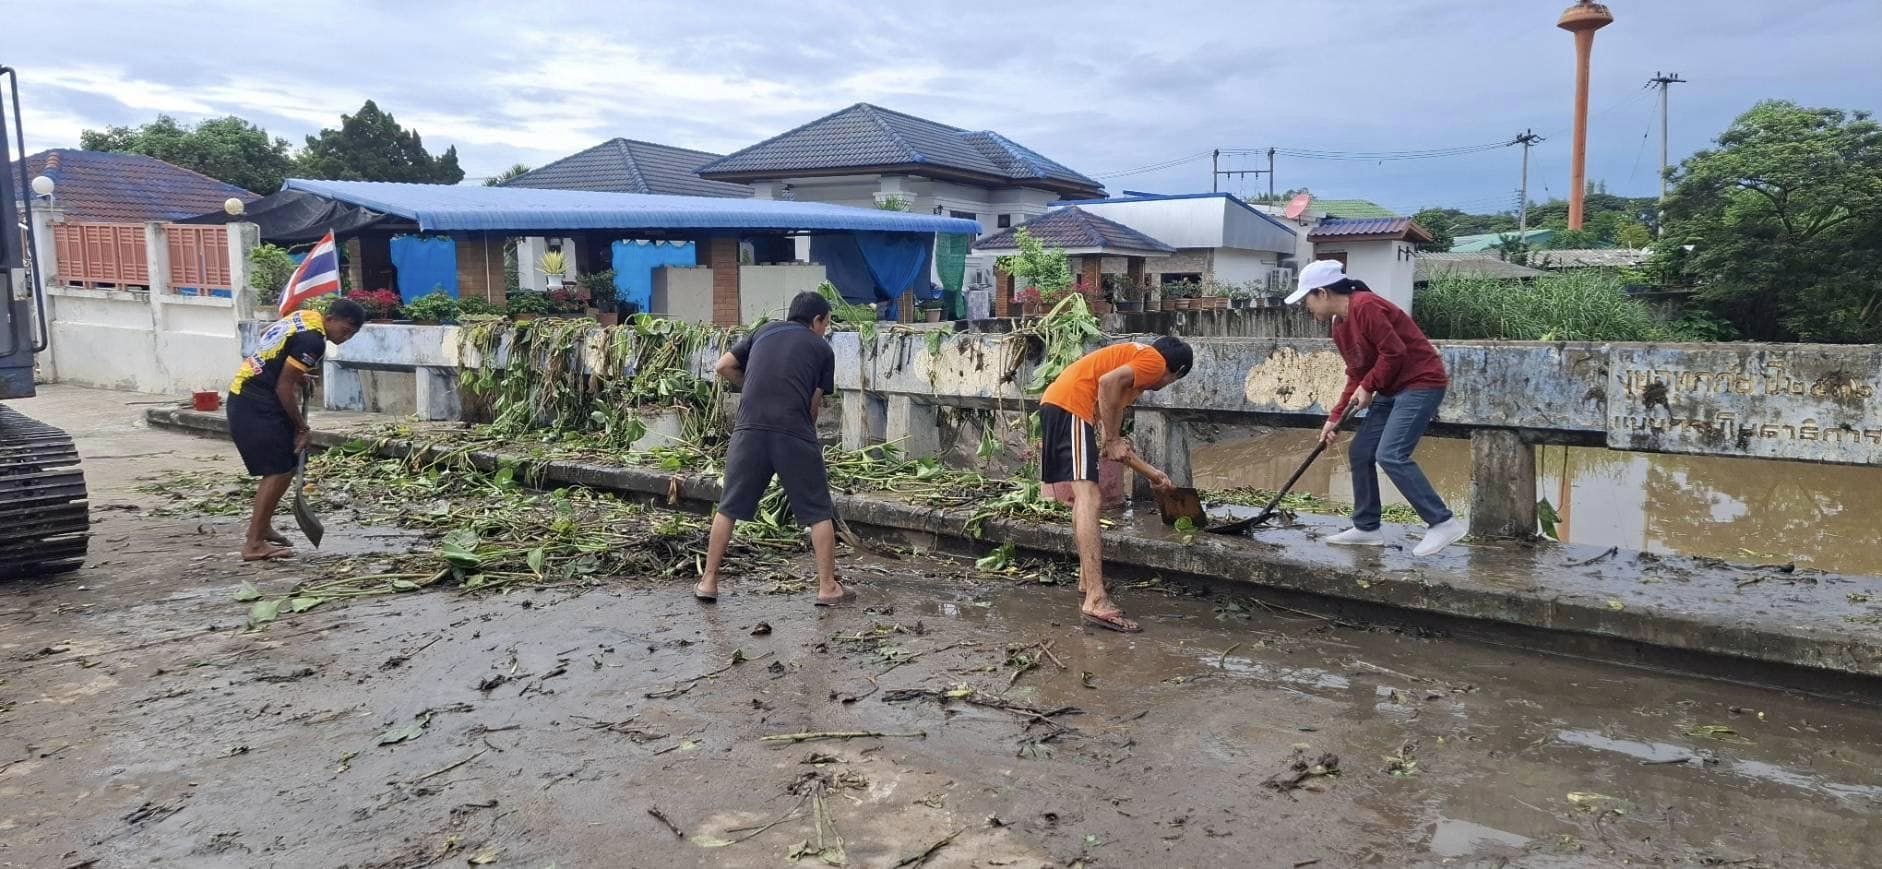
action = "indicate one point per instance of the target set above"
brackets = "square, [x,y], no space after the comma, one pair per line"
[1182,502]
[1241,525]
[304,515]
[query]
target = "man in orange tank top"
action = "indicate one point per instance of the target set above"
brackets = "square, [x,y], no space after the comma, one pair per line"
[1081,417]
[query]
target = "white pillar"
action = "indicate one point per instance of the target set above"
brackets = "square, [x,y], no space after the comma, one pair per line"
[243,238]
[157,262]
[529,251]
[437,394]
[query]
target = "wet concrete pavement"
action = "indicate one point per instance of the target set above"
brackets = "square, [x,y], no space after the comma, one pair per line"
[140,724]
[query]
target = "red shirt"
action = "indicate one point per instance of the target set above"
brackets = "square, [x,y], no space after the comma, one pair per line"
[1384,351]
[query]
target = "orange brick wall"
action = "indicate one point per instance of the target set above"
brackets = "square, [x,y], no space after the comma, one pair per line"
[721,254]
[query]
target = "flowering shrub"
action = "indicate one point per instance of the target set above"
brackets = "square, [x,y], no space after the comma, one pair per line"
[379,304]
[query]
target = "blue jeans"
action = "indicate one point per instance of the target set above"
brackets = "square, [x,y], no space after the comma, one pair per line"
[1387,436]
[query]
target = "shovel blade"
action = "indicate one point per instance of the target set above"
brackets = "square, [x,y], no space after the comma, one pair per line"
[304,515]
[1181,503]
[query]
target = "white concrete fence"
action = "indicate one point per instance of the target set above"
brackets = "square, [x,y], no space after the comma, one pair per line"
[118,315]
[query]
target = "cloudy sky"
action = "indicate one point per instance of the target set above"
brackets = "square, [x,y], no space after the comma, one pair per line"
[1104,87]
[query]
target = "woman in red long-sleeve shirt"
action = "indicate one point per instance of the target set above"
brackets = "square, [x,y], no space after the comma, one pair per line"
[1394,374]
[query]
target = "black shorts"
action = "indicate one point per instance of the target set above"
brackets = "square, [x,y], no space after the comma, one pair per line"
[756,455]
[1069,449]
[262,434]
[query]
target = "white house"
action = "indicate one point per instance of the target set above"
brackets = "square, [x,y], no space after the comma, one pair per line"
[869,156]
[1382,251]
[1216,236]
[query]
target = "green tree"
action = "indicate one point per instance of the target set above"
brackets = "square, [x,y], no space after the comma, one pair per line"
[1780,226]
[371,146]
[1574,239]
[1045,269]
[227,149]
[506,176]
[1633,234]
[1439,223]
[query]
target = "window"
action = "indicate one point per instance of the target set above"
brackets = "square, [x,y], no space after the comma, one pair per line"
[964,215]
[1006,221]
[1339,255]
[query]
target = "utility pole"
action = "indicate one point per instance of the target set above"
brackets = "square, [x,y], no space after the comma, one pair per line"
[1216,172]
[1665,83]
[1528,140]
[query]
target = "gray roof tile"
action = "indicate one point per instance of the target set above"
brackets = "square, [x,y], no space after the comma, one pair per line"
[1075,229]
[864,136]
[629,166]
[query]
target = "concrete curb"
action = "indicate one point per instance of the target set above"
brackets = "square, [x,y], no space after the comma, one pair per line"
[1662,612]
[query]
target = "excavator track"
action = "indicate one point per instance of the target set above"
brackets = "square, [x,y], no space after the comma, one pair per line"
[45,522]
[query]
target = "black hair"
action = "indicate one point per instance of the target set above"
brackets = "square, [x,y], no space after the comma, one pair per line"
[348,310]
[1347,287]
[1177,357]
[807,306]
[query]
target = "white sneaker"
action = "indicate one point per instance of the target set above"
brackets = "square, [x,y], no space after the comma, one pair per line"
[1441,535]
[1356,537]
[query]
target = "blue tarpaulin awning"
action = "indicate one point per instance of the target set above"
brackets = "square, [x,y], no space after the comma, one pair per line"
[523,210]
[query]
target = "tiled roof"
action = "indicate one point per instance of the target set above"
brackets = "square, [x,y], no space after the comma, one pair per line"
[1432,265]
[108,187]
[869,137]
[1077,230]
[1349,208]
[1368,228]
[629,166]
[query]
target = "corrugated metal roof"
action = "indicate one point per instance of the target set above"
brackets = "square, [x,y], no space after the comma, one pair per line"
[475,208]
[1490,240]
[865,136]
[1079,230]
[629,166]
[1167,197]
[109,187]
[1435,264]
[1590,258]
[1370,227]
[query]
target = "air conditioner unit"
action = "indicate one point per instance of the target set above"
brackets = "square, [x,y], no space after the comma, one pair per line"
[1280,280]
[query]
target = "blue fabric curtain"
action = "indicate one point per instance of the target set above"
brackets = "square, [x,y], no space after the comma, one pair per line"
[634,263]
[426,264]
[844,268]
[899,261]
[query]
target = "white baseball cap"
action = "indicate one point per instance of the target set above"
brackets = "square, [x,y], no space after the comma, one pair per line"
[1317,274]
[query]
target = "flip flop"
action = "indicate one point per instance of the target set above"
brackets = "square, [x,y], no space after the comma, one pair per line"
[277,538]
[846,598]
[702,597]
[1113,620]
[275,554]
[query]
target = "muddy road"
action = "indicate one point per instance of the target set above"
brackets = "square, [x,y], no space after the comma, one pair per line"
[141,724]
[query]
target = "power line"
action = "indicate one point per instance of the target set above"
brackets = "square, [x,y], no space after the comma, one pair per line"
[1154,167]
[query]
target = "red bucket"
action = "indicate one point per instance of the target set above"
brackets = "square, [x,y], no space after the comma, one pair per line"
[207,402]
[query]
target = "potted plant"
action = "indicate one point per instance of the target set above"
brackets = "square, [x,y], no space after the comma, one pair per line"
[1029,301]
[1179,296]
[603,298]
[553,266]
[930,310]
[382,305]
[525,305]
[568,301]
[432,309]
[478,306]
[1125,297]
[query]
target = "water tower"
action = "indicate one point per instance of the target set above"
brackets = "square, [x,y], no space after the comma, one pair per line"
[1581,19]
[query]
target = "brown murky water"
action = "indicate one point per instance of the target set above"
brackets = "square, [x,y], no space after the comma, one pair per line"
[1823,516]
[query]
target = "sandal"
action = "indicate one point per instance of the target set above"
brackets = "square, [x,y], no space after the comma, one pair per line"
[275,554]
[846,598]
[703,597]
[1112,620]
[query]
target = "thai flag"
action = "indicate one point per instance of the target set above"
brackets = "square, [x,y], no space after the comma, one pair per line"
[318,273]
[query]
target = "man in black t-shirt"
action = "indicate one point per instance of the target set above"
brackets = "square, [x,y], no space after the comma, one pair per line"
[784,371]
[265,410]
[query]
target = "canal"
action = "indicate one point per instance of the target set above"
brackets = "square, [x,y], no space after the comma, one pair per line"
[1742,510]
